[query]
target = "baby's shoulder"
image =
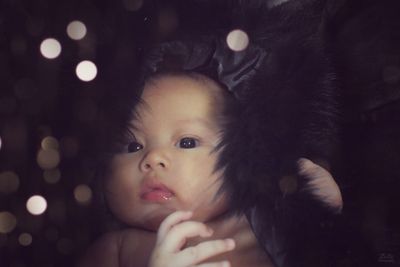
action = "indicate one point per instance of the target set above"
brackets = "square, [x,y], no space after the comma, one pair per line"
[103,252]
[119,248]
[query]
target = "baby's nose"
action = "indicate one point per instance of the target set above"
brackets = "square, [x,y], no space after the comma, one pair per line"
[154,159]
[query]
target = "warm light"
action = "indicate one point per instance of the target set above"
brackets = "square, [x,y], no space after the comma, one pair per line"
[76,30]
[237,40]
[7,222]
[9,182]
[83,194]
[49,142]
[0,143]
[25,239]
[50,48]
[48,159]
[36,205]
[86,70]
[52,176]
[133,5]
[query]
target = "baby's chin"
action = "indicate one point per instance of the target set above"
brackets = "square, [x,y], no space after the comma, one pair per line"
[151,222]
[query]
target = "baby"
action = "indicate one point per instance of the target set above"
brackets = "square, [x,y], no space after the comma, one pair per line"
[166,186]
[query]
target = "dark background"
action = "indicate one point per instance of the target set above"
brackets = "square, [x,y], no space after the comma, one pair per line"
[42,97]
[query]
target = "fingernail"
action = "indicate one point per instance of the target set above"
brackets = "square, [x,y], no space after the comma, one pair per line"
[188,213]
[210,231]
[226,264]
[230,243]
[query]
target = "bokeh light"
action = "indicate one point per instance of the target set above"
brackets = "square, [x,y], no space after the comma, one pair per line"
[86,71]
[9,182]
[132,5]
[237,40]
[7,222]
[76,30]
[49,142]
[36,205]
[0,143]
[83,194]
[25,239]
[48,158]
[52,176]
[50,48]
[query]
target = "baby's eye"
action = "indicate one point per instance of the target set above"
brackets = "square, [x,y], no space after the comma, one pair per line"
[134,147]
[188,142]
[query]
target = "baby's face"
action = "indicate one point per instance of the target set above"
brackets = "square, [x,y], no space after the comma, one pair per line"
[170,165]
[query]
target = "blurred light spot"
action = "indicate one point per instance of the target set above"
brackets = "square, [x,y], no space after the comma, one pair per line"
[9,182]
[69,146]
[86,71]
[133,5]
[7,222]
[237,40]
[48,159]
[0,143]
[24,88]
[52,176]
[391,74]
[65,246]
[36,205]
[50,48]
[49,142]
[76,30]
[288,184]
[25,239]
[83,194]
[51,234]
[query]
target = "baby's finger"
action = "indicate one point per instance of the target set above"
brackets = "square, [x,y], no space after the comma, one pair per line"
[171,220]
[205,250]
[215,264]
[179,233]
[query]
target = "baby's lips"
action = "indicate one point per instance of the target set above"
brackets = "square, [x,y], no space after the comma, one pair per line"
[155,191]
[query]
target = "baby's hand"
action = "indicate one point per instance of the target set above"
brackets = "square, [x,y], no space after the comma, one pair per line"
[172,236]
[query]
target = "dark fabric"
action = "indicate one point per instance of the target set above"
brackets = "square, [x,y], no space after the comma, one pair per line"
[295,106]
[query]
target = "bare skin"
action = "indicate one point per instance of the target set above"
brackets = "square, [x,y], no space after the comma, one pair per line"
[134,247]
